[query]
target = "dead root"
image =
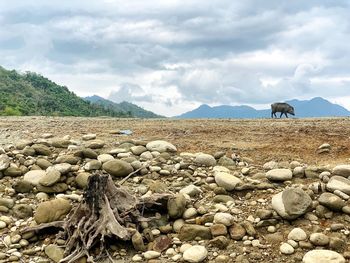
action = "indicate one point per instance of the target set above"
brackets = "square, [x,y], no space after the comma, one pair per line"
[107,210]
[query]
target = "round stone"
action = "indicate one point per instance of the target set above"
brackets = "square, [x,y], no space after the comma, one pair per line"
[195,254]
[287,249]
[226,180]
[279,175]
[297,234]
[323,256]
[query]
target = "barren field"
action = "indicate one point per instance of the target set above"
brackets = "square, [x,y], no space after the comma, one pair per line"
[261,140]
[230,204]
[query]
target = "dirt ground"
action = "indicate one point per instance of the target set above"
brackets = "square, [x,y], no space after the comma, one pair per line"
[259,139]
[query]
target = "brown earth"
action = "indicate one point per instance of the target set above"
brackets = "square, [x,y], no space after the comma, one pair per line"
[260,139]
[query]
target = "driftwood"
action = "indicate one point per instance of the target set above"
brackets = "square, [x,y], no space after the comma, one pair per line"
[107,210]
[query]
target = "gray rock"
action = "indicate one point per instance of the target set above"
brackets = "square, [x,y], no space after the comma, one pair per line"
[103,158]
[279,175]
[95,144]
[93,165]
[195,254]
[7,202]
[137,150]
[323,256]
[291,203]
[23,187]
[82,179]
[191,232]
[319,239]
[342,170]
[60,143]
[43,163]
[176,206]
[286,249]
[4,162]
[297,234]
[223,218]
[205,159]
[88,137]
[222,199]
[53,210]
[226,180]
[41,149]
[270,165]
[225,161]
[33,177]
[191,190]
[137,241]
[56,188]
[117,168]
[63,168]
[13,171]
[51,177]
[161,146]
[237,232]
[22,211]
[71,159]
[339,183]
[54,252]
[331,201]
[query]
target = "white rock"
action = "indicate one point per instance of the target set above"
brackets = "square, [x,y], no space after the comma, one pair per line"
[136,258]
[151,254]
[226,180]
[34,176]
[339,183]
[161,146]
[279,175]
[105,157]
[323,256]
[189,213]
[297,234]
[270,165]
[191,190]
[287,249]
[2,224]
[195,254]
[224,218]
[184,247]
[205,159]
[342,170]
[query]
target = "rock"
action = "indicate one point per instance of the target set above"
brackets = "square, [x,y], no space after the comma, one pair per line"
[226,180]
[195,254]
[60,143]
[291,203]
[176,206]
[319,239]
[54,252]
[117,168]
[331,201]
[270,165]
[224,218]
[161,146]
[51,177]
[103,158]
[191,232]
[82,179]
[7,202]
[227,162]
[23,187]
[41,149]
[33,177]
[43,163]
[222,199]
[287,249]
[191,190]
[86,153]
[237,232]
[52,210]
[297,234]
[161,243]
[151,254]
[339,183]
[138,150]
[189,213]
[56,188]
[71,159]
[95,144]
[299,171]
[63,168]
[323,256]
[342,170]
[205,159]
[22,211]
[4,162]
[92,165]
[279,175]
[218,230]
[88,137]
[137,242]
[248,226]
[13,171]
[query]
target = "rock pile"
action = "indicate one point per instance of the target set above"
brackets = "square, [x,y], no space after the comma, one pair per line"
[223,208]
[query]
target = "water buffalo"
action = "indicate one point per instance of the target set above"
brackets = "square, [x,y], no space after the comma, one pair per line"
[283,108]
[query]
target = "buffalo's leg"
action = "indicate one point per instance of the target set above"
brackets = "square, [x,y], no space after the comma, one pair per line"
[286,114]
[281,115]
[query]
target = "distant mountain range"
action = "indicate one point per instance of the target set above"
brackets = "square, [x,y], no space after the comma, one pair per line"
[316,107]
[126,107]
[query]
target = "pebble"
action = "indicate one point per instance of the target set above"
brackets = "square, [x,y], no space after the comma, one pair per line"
[151,254]
[195,254]
[287,249]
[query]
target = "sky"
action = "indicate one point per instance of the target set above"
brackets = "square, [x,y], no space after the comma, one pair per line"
[170,56]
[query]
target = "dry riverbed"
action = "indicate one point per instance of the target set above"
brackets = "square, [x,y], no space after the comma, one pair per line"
[239,190]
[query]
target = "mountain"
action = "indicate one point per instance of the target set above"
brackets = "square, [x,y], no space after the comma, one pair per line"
[316,107]
[127,107]
[33,94]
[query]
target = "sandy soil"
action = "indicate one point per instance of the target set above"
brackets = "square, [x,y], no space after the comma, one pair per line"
[261,140]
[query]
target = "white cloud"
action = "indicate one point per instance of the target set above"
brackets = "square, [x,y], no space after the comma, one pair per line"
[170,56]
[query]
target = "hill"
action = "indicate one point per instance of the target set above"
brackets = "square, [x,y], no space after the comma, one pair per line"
[316,107]
[127,107]
[33,94]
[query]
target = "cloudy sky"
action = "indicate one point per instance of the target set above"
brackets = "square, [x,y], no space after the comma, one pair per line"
[170,56]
